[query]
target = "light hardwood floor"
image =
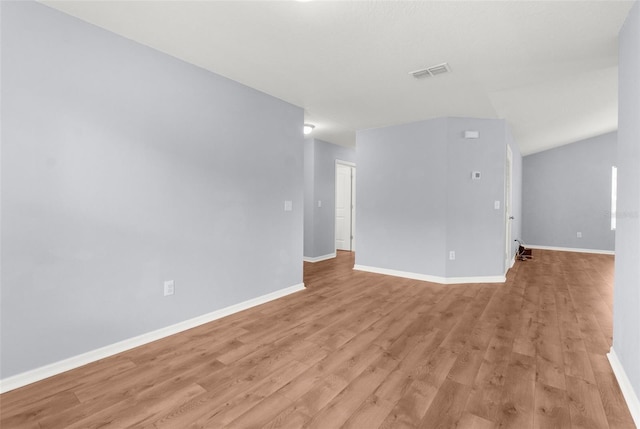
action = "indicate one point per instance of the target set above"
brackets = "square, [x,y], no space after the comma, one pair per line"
[361,350]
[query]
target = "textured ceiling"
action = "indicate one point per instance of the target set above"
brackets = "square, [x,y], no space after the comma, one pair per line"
[548,67]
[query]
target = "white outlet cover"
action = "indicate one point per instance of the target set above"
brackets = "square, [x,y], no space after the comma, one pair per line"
[169,287]
[288,205]
[496,205]
[319,203]
[452,255]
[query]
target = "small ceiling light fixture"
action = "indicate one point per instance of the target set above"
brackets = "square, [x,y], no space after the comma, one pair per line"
[431,71]
[308,128]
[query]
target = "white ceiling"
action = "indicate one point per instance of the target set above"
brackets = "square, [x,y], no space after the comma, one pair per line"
[548,67]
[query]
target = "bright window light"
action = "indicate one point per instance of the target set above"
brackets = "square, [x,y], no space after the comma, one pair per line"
[614,196]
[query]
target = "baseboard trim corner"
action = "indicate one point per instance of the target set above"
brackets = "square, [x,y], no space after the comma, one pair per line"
[38,374]
[511,264]
[430,278]
[633,402]
[319,258]
[570,249]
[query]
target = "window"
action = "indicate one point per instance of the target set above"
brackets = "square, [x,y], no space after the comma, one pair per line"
[614,196]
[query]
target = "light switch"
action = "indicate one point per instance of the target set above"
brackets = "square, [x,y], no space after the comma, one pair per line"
[288,205]
[319,203]
[169,287]
[496,205]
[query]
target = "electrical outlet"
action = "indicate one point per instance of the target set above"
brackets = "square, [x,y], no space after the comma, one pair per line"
[319,203]
[579,234]
[169,287]
[452,255]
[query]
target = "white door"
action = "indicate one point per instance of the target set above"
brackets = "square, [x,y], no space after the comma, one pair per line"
[353,209]
[344,205]
[507,210]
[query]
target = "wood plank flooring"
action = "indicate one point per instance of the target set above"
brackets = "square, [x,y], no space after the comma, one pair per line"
[361,350]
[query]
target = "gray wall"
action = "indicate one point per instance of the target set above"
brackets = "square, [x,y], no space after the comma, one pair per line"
[416,200]
[309,210]
[626,307]
[320,185]
[475,229]
[123,167]
[568,189]
[401,215]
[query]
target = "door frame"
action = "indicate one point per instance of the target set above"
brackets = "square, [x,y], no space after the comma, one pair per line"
[352,166]
[508,209]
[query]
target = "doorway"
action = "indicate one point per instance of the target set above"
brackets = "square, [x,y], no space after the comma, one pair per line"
[345,216]
[507,210]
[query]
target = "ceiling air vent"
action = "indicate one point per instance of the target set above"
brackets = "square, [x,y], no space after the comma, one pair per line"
[431,71]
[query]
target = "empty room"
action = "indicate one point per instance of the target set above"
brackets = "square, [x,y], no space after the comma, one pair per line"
[320,214]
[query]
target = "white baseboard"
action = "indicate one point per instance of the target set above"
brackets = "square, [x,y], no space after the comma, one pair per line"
[20,380]
[633,402]
[430,278]
[570,249]
[511,264]
[319,258]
